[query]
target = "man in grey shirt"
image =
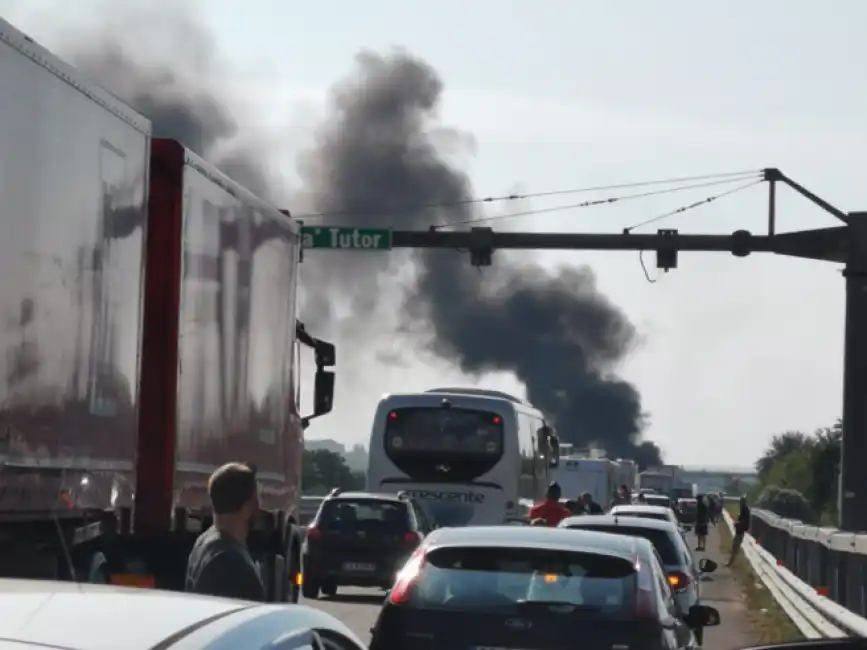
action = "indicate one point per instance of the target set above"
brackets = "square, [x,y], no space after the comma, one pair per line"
[220,563]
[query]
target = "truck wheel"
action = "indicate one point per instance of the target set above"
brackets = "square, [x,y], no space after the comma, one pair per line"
[293,569]
[278,580]
[329,590]
[310,590]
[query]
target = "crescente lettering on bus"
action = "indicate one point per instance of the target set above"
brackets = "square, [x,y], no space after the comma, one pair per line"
[446,495]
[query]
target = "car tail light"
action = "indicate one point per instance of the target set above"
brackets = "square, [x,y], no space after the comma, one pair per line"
[313,533]
[678,580]
[401,591]
[645,597]
[411,538]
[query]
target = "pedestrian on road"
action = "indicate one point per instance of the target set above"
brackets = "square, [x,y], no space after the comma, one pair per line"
[742,527]
[550,509]
[621,497]
[717,510]
[701,519]
[590,506]
[711,509]
[220,563]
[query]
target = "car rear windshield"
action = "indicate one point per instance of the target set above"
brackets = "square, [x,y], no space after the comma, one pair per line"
[510,579]
[661,539]
[658,501]
[368,514]
[644,514]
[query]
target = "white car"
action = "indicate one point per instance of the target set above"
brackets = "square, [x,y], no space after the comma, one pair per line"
[646,511]
[67,616]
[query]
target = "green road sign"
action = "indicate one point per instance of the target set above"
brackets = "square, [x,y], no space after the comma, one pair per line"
[353,239]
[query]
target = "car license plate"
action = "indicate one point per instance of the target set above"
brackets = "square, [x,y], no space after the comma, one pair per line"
[361,567]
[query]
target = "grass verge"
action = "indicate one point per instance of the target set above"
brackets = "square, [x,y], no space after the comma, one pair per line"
[769,621]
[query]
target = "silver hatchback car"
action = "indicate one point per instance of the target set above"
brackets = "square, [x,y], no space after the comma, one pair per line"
[682,569]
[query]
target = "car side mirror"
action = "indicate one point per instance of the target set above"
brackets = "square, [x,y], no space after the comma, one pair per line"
[702,616]
[706,565]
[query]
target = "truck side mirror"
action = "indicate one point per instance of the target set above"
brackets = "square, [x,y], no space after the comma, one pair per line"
[325,354]
[323,393]
[323,396]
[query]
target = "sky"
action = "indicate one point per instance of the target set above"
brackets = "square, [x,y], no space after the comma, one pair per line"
[567,94]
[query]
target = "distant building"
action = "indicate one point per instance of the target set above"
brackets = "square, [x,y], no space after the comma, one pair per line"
[720,479]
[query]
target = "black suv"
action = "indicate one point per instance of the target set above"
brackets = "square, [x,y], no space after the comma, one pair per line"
[360,539]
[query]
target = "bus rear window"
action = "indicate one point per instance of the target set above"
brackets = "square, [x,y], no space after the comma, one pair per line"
[411,431]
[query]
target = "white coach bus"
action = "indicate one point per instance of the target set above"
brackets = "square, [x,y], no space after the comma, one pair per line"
[469,456]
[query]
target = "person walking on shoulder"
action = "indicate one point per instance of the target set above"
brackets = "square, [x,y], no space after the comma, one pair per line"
[220,563]
[701,520]
[550,509]
[742,527]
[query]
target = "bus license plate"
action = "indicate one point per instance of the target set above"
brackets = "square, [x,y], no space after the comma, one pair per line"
[359,567]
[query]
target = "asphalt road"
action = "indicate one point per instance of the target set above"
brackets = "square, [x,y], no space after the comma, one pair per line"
[358,608]
[355,607]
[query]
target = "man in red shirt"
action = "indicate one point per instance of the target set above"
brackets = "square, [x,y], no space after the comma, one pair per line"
[550,509]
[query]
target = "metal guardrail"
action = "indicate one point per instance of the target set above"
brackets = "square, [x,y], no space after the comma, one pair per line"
[814,574]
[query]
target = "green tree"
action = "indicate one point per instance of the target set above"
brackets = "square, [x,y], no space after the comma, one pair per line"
[781,445]
[799,474]
[323,470]
[825,465]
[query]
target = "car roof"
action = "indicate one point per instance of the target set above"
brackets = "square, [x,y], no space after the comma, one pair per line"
[642,507]
[94,617]
[534,537]
[70,616]
[589,521]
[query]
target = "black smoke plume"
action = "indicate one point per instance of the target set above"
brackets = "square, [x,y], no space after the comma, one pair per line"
[376,154]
